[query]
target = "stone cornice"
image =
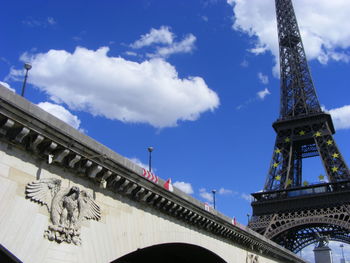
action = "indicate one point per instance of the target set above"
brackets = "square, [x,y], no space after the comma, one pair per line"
[30,128]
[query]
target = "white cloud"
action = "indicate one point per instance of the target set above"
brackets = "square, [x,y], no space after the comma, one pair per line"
[206,195]
[32,22]
[246,197]
[139,163]
[51,21]
[205,18]
[76,38]
[247,103]
[131,53]
[61,113]
[6,85]
[263,93]
[155,36]
[5,60]
[165,38]
[184,187]
[264,79]
[223,191]
[244,63]
[260,95]
[258,50]
[341,117]
[184,46]
[113,87]
[323,24]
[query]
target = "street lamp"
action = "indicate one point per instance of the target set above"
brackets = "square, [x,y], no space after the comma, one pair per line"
[248,218]
[214,192]
[342,252]
[150,150]
[27,67]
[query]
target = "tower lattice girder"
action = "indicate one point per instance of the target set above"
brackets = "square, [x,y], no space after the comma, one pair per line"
[298,95]
[289,211]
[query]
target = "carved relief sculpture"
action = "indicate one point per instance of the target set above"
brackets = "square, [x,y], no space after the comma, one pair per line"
[68,207]
[251,258]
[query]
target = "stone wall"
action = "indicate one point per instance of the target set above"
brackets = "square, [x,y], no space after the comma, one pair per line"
[124,226]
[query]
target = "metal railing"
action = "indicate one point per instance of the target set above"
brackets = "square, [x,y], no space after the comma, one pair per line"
[302,191]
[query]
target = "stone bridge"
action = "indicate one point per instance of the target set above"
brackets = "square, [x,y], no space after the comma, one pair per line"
[66,198]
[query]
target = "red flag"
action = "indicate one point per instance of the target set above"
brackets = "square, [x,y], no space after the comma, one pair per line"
[234,221]
[168,185]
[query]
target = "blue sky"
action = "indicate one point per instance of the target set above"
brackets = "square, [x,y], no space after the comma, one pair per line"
[197,80]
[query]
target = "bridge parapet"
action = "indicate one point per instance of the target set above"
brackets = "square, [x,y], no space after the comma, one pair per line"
[31,129]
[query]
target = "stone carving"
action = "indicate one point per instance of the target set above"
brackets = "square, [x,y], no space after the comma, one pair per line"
[68,207]
[251,258]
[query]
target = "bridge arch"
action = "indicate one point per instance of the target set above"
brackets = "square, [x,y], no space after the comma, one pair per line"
[171,253]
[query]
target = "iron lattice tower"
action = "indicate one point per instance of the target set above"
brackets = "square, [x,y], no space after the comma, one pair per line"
[288,210]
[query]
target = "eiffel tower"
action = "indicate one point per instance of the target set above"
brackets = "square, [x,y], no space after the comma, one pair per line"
[290,211]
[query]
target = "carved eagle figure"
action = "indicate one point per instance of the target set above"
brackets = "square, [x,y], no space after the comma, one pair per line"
[67,206]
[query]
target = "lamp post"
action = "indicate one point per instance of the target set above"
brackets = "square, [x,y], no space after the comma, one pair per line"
[150,150]
[27,67]
[248,218]
[342,252]
[214,192]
